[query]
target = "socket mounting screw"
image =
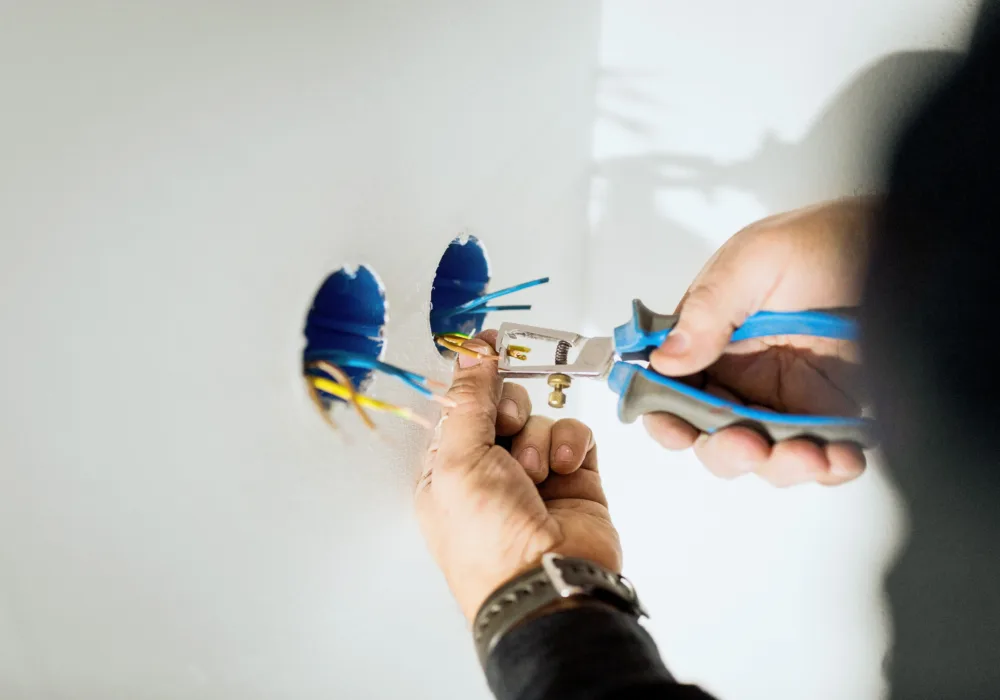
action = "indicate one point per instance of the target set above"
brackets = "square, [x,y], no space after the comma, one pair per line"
[558,382]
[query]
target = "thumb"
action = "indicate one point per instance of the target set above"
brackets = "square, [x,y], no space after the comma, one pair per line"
[709,313]
[468,428]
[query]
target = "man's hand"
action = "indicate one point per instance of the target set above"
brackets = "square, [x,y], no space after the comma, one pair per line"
[812,258]
[489,514]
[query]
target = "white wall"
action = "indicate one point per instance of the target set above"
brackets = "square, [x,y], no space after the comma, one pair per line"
[176,180]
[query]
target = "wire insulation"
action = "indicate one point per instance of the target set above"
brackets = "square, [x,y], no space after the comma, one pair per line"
[342,358]
[478,302]
[328,386]
[341,377]
[456,343]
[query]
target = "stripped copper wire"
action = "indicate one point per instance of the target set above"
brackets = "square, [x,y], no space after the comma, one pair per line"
[518,352]
[456,341]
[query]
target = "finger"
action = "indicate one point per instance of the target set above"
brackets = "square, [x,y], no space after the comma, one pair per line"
[847,462]
[794,462]
[571,440]
[468,428]
[799,375]
[590,461]
[531,447]
[732,452]
[669,431]
[489,337]
[719,301]
[675,433]
[513,410]
[584,483]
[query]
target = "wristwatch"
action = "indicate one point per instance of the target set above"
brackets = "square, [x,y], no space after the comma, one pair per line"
[556,579]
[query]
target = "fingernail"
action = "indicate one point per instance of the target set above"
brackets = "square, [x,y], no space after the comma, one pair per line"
[675,344]
[529,459]
[507,407]
[477,346]
[564,454]
[467,361]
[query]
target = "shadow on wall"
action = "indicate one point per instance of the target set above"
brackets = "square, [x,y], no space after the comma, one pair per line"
[843,153]
[847,142]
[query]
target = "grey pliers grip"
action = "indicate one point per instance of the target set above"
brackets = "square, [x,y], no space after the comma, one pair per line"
[643,391]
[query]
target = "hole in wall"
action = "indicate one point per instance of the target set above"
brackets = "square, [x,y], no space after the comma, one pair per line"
[463,274]
[348,314]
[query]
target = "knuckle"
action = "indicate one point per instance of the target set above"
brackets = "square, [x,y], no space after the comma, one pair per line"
[466,389]
[538,425]
[519,394]
[424,483]
[474,409]
[701,300]
[572,429]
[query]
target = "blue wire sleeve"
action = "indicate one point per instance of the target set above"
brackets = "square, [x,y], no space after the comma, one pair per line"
[819,324]
[487,309]
[339,357]
[634,340]
[325,322]
[483,300]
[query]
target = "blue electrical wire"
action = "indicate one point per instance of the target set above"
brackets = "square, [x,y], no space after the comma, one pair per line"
[487,309]
[342,358]
[350,359]
[480,302]
[363,330]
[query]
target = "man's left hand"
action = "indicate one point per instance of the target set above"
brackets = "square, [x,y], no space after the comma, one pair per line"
[489,514]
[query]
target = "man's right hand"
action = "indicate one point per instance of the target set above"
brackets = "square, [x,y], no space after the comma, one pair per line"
[812,258]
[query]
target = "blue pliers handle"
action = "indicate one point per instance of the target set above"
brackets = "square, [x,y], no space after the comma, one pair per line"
[642,390]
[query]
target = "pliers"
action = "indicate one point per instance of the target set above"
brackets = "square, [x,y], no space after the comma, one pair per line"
[642,390]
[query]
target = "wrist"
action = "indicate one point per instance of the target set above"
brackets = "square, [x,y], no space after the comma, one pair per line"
[559,584]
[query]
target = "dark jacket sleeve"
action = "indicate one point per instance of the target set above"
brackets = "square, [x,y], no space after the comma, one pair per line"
[582,654]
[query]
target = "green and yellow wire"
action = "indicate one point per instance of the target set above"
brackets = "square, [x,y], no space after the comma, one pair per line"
[343,388]
[340,376]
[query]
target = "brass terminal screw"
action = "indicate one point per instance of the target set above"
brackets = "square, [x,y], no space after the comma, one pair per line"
[558,382]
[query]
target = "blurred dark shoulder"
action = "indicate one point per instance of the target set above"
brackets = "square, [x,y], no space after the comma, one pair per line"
[934,278]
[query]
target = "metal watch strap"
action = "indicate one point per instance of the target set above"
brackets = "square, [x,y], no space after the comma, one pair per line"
[558,577]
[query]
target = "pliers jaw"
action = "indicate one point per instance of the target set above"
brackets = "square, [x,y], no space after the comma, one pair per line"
[592,358]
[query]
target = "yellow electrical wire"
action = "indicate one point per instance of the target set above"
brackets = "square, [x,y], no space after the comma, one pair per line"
[455,343]
[331,387]
[449,345]
[340,376]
